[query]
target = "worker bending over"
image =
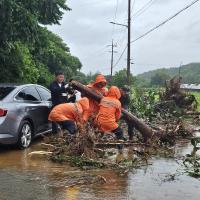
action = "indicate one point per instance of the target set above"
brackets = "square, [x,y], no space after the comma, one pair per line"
[70,115]
[98,86]
[109,113]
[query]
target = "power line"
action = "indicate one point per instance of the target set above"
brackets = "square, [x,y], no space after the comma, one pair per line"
[164,22]
[115,16]
[143,9]
[139,12]
[89,3]
[117,4]
[120,56]
[133,4]
[121,35]
[121,39]
[156,27]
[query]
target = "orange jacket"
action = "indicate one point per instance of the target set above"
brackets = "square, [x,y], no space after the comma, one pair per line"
[110,111]
[70,111]
[94,106]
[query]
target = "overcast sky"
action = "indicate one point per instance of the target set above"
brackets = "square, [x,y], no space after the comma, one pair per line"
[87,31]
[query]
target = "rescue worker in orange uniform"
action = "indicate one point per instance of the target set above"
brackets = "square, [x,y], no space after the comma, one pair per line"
[70,115]
[109,113]
[99,86]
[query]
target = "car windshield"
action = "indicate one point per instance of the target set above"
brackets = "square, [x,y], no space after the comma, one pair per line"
[4,91]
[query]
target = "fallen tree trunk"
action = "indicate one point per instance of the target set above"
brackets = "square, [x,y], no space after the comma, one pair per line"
[143,128]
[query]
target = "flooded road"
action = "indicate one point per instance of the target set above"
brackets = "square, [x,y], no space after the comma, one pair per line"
[25,178]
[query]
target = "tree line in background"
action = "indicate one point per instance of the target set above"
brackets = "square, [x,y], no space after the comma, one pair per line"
[190,74]
[29,53]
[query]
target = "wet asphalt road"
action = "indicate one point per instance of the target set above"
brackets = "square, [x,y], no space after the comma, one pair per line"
[25,178]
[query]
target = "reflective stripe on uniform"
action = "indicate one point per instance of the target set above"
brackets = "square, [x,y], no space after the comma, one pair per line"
[78,116]
[108,104]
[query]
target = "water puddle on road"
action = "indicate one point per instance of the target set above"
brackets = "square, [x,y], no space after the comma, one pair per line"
[25,178]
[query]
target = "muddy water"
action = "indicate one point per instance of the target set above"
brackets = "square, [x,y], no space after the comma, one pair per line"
[25,178]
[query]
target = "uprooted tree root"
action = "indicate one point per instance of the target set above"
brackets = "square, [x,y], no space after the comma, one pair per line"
[173,93]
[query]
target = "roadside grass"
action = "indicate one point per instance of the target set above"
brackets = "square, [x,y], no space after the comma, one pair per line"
[197,96]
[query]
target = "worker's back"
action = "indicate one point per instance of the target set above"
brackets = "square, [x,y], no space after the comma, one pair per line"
[109,111]
[108,108]
[66,111]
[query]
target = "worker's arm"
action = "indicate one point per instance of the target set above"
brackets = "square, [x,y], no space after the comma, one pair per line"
[86,116]
[118,113]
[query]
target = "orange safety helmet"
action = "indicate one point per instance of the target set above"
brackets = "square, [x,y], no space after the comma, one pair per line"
[100,79]
[114,92]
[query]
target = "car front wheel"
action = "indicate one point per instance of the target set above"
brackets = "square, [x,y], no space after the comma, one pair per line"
[25,135]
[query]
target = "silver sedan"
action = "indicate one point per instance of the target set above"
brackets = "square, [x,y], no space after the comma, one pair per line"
[24,113]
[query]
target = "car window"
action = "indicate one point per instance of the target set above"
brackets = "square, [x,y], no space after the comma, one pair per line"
[4,91]
[45,94]
[28,94]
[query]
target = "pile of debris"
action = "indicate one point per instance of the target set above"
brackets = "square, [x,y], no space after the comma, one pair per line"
[88,150]
[174,94]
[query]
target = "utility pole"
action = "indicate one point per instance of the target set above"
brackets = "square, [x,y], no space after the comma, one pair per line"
[129,41]
[112,57]
[129,44]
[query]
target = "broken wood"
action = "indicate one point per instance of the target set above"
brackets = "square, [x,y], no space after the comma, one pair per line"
[46,146]
[40,154]
[113,144]
[191,113]
[143,128]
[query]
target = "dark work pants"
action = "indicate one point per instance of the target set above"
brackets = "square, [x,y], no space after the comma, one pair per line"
[130,130]
[120,136]
[54,124]
[68,125]
[54,128]
[130,125]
